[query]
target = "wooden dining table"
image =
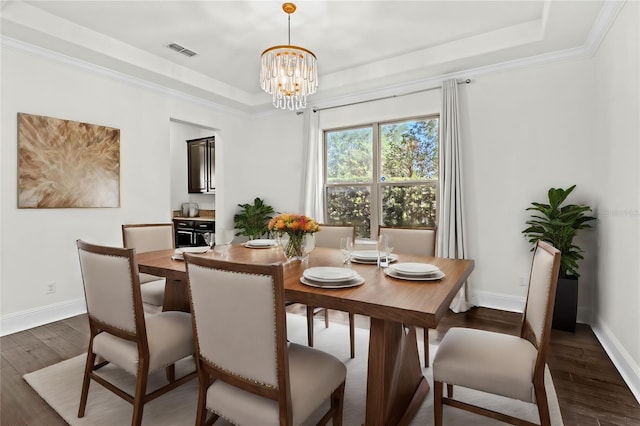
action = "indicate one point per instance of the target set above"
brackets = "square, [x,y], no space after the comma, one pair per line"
[396,386]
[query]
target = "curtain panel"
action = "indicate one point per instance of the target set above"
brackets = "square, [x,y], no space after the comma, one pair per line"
[451,227]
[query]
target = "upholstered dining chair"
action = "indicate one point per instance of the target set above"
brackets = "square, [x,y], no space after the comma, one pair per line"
[511,366]
[329,236]
[121,333]
[249,373]
[417,241]
[144,238]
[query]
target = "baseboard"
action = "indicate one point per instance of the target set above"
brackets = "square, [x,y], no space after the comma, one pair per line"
[19,321]
[623,361]
[498,301]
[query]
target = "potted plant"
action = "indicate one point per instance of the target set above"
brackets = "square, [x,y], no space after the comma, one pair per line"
[253,219]
[558,224]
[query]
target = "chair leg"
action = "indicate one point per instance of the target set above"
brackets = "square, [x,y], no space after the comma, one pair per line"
[449,391]
[326,318]
[352,335]
[543,405]
[171,373]
[337,405]
[203,384]
[140,393]
[425,342]
[310,310]
[86,381]
[437,403]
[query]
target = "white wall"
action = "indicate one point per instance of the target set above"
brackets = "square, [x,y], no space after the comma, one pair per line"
[524,132]
[617,132]
[180,132]
[38,245]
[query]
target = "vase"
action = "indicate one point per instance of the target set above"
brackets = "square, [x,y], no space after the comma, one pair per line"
[297,246]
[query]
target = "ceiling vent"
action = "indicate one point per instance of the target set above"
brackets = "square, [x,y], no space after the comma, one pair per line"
[182,49]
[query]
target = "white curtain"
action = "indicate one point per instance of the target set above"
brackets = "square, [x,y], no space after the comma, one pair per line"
[312,199]
[451,229]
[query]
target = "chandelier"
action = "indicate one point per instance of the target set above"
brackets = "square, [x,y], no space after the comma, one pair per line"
[289,73]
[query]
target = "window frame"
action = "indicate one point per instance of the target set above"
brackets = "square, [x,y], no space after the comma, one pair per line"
[376,184]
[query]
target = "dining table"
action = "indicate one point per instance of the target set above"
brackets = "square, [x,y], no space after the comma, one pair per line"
[396,386]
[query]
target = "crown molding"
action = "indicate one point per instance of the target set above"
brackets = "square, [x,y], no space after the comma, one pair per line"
[603,23]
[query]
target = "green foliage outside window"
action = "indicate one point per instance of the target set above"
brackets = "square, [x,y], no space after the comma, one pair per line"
[407,175]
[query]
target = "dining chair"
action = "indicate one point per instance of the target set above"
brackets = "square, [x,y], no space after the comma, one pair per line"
[121,333]
[415,241]
[249,373]
[144,238]
[330,236]
[507,365]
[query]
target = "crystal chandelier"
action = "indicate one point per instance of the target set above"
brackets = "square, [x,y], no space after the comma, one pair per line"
[289,73]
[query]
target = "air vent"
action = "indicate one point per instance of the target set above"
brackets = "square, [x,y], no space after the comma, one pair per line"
[182,49]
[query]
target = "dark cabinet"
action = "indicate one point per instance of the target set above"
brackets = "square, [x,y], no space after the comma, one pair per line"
[201,159]
[193,232]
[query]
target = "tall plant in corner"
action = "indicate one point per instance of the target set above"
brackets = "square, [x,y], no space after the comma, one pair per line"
[558,224]
[253,219]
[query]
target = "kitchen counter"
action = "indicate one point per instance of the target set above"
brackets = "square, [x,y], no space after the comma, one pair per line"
[199,218]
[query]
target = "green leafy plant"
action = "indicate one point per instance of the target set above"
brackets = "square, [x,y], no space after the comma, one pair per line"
[558,224]
[253,219]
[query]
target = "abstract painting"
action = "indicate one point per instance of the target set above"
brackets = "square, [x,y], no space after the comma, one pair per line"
[67,164]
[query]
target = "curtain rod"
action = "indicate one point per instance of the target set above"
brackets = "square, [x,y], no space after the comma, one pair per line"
[467,81]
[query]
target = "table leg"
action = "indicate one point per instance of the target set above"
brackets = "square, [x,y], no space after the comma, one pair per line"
[175,296]
[396,386]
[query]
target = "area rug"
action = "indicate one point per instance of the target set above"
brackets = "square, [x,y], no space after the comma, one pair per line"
[59,385]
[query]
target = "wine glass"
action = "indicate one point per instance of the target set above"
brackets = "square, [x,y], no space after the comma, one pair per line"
[385,247]
[346,246]
[209,238]
[225,237]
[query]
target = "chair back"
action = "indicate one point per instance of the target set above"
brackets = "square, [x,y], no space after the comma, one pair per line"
[414,241]
[329,236]
[148,237]
[111,286]
[538,313]
[239,322]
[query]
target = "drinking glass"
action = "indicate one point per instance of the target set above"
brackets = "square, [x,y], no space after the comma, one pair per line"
[225,237]
[346,246]
[385,247]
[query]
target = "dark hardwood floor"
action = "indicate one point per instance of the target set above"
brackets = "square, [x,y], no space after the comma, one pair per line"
[589,388]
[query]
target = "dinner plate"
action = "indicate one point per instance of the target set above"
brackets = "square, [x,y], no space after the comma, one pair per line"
[432,277]
[329,274]
[201,249]
[374,261]
[365,254]
[354,282]
[412,268]
[261,243]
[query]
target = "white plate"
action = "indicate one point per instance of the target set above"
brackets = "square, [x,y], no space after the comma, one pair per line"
[262,243]
[374,261]
[356,281]
[202,249]
[365,254]
[330,274]
[433,277]
[412,268]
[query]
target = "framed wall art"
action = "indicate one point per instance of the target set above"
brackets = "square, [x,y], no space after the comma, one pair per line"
[67,164]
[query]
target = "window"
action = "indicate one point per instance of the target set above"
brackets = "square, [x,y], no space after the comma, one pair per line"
[384,173]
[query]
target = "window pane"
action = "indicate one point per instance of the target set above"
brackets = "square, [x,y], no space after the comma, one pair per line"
[412,205]
[350,155]
[350,205]
[409,150]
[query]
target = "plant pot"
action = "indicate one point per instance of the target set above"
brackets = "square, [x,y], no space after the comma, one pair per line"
[565,310]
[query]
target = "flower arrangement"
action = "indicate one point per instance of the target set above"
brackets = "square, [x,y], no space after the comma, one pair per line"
[293,224]
[294,228]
